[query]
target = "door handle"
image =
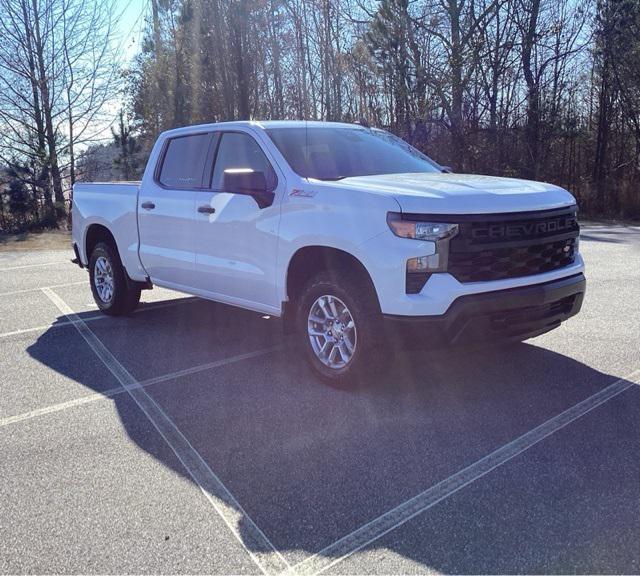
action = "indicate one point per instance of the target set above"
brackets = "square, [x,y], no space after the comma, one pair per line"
[148,205]
[206,209]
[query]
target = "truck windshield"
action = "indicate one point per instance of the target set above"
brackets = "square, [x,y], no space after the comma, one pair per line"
[333,153]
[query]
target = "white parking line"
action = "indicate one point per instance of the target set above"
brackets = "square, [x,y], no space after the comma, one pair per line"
[45,327]
[209,366]
[368,533]
[60,406]
[26,290]
[146,308]
[111,392]
[35,265]
[255,542]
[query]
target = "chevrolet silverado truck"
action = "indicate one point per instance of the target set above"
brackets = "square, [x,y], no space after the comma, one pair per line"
[352,236]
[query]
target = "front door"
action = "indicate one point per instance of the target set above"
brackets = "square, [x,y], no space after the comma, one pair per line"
[237,240]
[166,211]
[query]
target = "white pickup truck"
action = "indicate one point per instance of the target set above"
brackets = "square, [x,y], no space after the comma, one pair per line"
[351,235]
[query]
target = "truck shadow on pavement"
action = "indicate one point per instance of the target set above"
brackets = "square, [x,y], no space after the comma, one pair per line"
[310,464]
[617,235]
[601,238]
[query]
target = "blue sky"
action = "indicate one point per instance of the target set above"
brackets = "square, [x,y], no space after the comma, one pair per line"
[130,17]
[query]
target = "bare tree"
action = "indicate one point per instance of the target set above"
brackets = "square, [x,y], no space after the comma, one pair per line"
[499,86]
[58,76]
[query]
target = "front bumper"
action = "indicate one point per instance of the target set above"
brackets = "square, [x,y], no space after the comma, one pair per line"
[512,314]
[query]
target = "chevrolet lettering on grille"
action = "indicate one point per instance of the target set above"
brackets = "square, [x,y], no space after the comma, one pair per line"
[524,229]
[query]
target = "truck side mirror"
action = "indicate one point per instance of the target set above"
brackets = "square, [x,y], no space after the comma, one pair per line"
[248,182]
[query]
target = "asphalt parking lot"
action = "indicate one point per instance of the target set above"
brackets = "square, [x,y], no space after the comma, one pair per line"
[191,438]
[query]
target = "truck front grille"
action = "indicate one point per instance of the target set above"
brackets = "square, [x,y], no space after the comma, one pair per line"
[500,246]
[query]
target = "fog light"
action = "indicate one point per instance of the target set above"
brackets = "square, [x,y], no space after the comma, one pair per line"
[423,263]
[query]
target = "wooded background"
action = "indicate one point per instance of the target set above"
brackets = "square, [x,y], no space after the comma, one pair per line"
[540,89]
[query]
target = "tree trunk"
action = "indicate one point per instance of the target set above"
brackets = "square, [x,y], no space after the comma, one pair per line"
[532,131]
[599,173]
[48,120]
[457,89]
[37,113]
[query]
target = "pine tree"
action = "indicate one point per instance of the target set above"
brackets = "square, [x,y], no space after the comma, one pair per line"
[127,161]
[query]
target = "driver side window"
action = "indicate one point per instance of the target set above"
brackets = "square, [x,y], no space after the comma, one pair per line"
[240,151]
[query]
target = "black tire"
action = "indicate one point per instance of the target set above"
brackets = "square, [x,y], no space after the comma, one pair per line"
[126,295]
[362,305]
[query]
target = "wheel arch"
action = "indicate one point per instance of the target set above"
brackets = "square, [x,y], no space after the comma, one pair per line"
[95,234]
[308,261]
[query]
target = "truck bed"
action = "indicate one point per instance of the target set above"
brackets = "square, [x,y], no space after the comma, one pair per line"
[112,205]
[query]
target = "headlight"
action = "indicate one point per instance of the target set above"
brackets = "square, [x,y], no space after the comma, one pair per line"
[420,269]
[431,231]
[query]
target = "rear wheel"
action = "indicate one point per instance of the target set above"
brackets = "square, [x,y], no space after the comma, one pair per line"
[112,291]
[340,331]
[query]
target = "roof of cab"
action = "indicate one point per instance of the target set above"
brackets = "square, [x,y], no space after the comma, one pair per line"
[264,124]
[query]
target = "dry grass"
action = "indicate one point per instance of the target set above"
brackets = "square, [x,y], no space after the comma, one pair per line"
[48,240]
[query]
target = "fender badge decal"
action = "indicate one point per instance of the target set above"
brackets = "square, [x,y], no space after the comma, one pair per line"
[303,193]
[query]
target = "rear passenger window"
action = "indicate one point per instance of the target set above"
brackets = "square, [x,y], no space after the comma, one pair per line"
[239,150]
[184,161]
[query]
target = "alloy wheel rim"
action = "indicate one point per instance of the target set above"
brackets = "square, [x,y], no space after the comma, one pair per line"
[103,279]
[332,331]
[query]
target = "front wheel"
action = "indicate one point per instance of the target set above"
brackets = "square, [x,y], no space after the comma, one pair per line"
[340,331]
[112,291]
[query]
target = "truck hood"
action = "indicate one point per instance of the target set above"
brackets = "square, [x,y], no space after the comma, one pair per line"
[442,193]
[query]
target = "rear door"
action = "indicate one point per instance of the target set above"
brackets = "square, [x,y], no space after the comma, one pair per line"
[166,210]
[237,240]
